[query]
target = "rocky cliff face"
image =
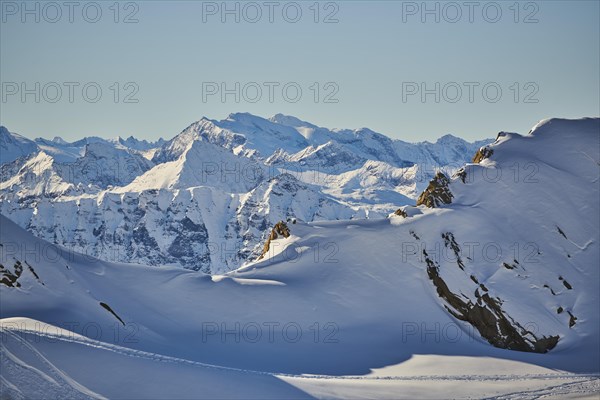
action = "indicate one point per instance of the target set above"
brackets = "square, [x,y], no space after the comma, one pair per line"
[482,310]
[482,154]
[437,192]
[280,230]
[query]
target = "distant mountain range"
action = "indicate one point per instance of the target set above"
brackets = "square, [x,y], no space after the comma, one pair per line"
[206,199]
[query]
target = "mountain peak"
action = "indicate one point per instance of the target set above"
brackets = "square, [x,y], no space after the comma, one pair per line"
[99,149]
[289,120]
[59,140]
[13,146]
[242,116]
[448,137]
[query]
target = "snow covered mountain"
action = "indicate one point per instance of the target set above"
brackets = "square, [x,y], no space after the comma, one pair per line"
[136,144]
[100,166]
[494,274]
[112,198]
[13,146]
[200,163]
[242,133]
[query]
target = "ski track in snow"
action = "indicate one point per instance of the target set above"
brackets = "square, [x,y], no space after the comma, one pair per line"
[52,382]
[572,390]
[59,385]
[14,333]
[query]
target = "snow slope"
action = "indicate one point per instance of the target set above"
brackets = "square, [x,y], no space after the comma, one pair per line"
[357,304]
[41,360]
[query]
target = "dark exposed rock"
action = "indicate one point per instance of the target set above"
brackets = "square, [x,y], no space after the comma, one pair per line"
[462,174]
[450,242]
[110,310]
[486,315]
[559,310]
[280,229]
[482,154]
[572,319]
[9,278]
[561,232]
[437,192]
[100,230]
[400,212]
[564,281]
[551,291]
[34,273]
[142,236]
[190,240]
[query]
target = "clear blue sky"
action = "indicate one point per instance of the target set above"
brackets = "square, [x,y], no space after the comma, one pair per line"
[373,50]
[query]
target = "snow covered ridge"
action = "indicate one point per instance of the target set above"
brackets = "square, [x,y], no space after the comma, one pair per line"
[544,184]
[501,282]
[207,198]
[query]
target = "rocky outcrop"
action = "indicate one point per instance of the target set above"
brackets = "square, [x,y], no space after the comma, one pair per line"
[10,278]
[401,213]
[110,310]
[482,310]
[488,317]
[450,243]
[437,192]
[461,174]
[565,283]
[572,319]
[279,230]
[482,154]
